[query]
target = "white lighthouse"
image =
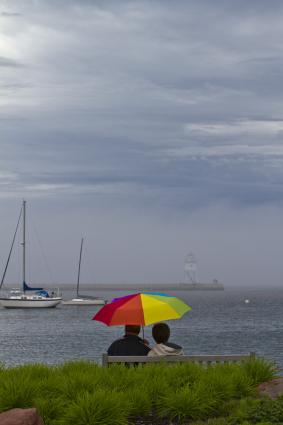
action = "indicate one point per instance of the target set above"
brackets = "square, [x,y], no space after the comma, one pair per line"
[190,269]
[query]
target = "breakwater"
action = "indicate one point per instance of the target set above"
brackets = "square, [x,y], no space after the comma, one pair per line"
[213,286]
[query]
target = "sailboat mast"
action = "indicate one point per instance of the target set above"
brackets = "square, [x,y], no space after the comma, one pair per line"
[24,243]
[79,270]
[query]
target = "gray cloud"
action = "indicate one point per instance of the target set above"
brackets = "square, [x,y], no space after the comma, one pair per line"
[10,14]
[7,62]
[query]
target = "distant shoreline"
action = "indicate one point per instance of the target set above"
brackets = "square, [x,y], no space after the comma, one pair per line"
[214,286]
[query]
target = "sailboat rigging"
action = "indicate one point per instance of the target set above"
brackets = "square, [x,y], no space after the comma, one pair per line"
[27,297]
[83,299]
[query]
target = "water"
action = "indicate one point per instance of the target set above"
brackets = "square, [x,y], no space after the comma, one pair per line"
[221,322]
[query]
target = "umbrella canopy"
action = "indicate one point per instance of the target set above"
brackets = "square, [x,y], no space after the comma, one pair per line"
[141,309]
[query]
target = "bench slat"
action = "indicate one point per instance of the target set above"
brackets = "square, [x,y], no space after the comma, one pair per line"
[208,359]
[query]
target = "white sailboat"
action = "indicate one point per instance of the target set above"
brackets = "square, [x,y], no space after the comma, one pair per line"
[83,299]
[27,297]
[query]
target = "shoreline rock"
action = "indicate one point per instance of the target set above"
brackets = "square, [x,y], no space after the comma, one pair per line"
[272,389]
[21,417]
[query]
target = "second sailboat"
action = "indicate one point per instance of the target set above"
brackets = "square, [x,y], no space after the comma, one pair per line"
[83,299]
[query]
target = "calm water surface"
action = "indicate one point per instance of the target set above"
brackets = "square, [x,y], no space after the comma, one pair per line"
[219,323]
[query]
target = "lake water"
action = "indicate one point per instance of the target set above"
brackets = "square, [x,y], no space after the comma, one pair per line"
[220,322]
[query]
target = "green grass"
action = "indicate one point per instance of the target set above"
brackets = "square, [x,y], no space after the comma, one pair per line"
[84,393]
[101,407]
[261,411]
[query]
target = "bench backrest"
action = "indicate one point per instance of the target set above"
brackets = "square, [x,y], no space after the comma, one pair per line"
[203,359]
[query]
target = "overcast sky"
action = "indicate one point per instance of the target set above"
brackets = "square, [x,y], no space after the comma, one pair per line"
[153,129]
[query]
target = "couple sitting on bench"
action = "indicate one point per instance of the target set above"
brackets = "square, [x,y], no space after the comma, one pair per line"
[132,345]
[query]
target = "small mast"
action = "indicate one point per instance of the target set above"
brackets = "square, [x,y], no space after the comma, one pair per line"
[79,270]
[24,244]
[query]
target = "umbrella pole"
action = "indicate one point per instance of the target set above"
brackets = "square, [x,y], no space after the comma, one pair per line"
[142,332]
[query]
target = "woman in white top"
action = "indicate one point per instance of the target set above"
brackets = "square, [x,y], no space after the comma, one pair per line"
[161,334]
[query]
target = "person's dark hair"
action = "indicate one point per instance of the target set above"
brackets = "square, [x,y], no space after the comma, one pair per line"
[161,332]
[132,329]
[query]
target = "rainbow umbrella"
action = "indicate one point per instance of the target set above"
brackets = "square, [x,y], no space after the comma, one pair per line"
[141,309]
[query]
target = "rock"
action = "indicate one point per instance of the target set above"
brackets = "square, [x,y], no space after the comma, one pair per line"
[21,417]
[272,389]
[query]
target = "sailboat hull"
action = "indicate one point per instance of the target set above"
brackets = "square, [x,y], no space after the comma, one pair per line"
[39,298]
[82,301]
[29,302]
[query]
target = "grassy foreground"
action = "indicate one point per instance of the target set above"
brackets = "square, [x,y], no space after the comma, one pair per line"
[84,393]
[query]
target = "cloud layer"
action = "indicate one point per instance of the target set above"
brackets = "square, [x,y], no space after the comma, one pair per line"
[142,105]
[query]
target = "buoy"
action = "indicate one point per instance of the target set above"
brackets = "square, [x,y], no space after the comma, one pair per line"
[247,301]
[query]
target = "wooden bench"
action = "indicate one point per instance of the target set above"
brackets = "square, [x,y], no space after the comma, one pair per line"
[202,359]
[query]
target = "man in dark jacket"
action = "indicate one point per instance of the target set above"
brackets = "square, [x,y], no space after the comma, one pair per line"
[130,345]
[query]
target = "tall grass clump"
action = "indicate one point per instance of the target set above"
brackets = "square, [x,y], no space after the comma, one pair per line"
[70,367]
[73,386]
[50,409]
[35,371]
[154,380]
[52,386]
[17,390]
[260,370]
[194,400]
[179,375]
[102,407]
[211,394]
[258,412]
[140,401]
[187,403]
[119,377]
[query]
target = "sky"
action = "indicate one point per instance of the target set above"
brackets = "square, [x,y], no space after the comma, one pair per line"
[151,128]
